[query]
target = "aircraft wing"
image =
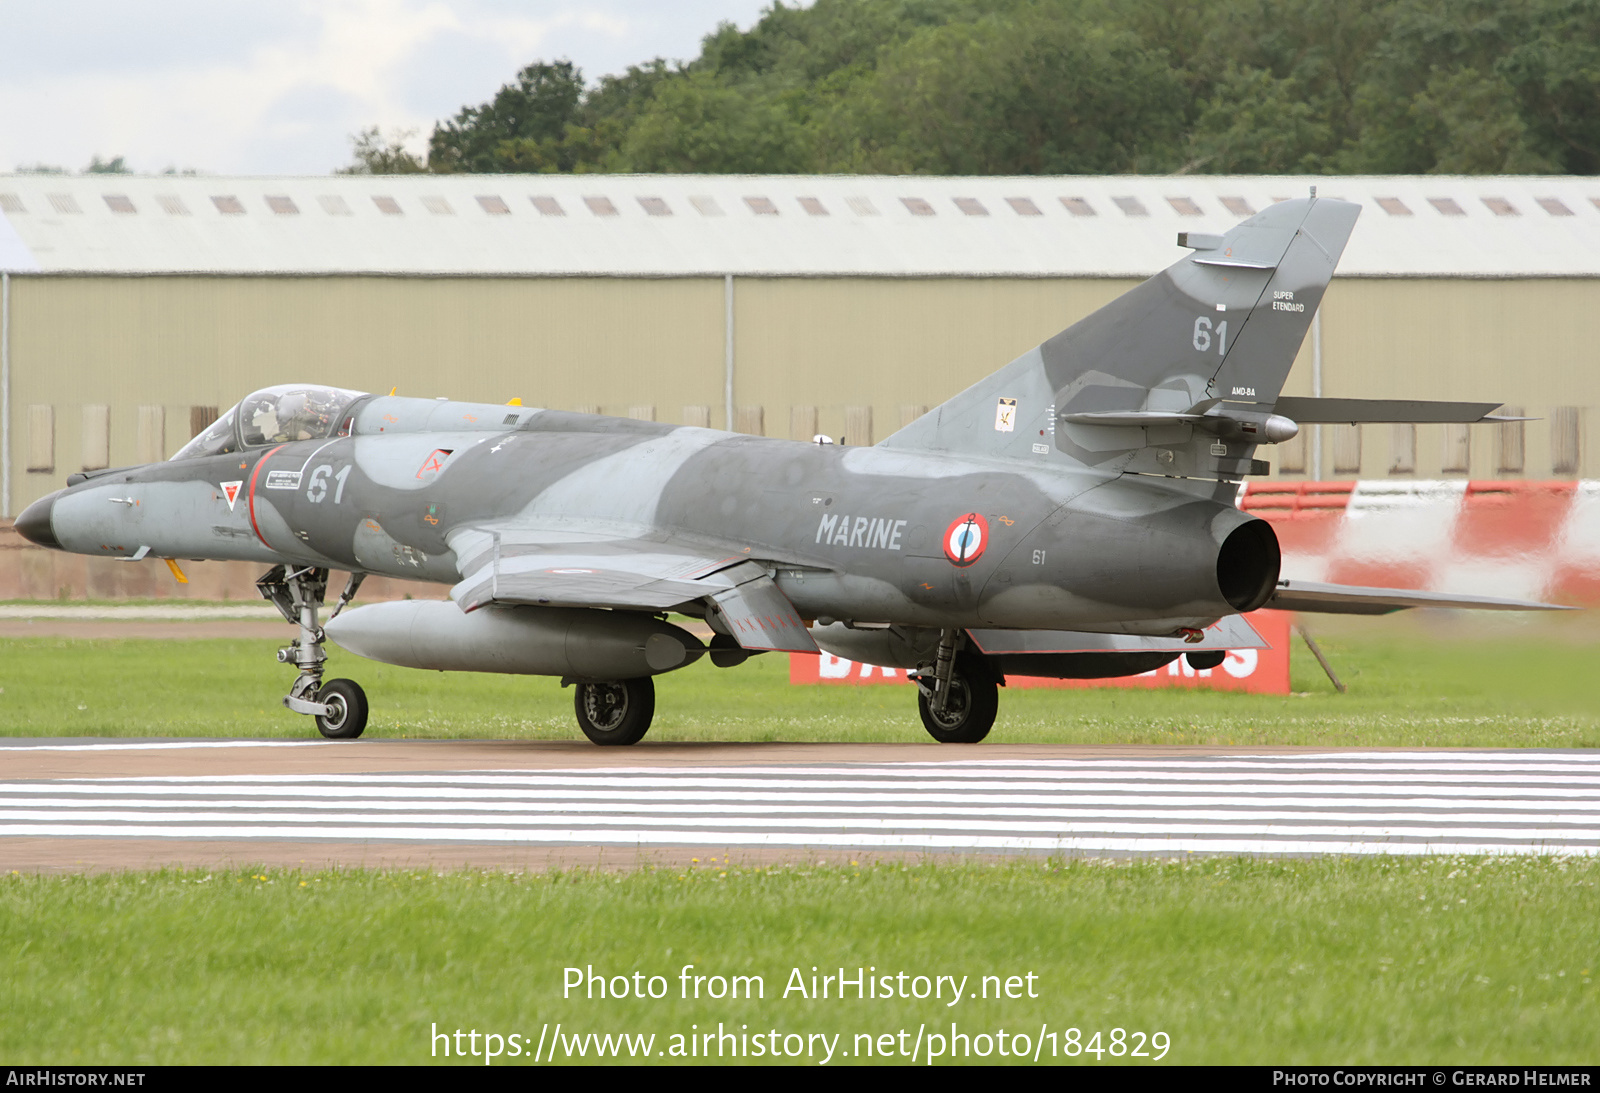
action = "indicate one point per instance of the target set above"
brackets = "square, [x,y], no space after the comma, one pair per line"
[567,569]
[1341,599]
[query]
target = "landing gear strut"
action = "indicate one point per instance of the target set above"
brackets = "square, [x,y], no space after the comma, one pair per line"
[340,705]
[959,699]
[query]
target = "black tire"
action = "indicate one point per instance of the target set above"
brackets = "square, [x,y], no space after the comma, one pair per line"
[348,714]
[617,712]
[970,713]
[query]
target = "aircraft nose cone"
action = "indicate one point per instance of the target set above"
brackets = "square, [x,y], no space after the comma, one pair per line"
[34,523]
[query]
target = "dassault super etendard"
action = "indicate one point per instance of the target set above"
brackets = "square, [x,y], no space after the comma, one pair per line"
[1072,515]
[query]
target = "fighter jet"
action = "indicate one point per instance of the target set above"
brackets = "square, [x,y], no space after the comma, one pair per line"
[1073,515]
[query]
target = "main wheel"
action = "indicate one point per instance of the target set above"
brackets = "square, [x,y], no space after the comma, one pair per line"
[969,714]
[616,712]
[347,709]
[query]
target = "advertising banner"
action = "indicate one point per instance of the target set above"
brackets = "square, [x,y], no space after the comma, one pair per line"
[1259,671]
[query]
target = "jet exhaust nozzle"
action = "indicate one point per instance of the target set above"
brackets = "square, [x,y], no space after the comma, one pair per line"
[1247,565]
[576,642]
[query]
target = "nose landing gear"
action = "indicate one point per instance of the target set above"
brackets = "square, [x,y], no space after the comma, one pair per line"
[340,705]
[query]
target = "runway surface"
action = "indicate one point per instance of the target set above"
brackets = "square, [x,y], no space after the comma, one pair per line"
[442,798]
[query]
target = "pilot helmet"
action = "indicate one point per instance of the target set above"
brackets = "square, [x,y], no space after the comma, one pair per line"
[294,417]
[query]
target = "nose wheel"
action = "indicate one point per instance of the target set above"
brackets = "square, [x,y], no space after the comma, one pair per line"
[339,705]
[346,704]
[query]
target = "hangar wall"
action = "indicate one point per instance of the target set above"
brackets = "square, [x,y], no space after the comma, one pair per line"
[1523,341]
[865,353]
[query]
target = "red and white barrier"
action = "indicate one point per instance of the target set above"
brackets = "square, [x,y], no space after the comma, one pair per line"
[1514,538]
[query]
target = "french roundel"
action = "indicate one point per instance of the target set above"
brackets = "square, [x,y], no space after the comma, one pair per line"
[965,539]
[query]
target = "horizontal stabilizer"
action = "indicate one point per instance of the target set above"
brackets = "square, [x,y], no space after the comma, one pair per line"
[1237,263]
[1385,411]
[1340,599]
[1233,632]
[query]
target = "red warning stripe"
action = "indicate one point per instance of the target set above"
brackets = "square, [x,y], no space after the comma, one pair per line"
[1282,497]
[1513,517]
[254,474]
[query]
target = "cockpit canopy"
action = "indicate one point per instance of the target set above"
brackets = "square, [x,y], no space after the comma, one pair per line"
[275,415]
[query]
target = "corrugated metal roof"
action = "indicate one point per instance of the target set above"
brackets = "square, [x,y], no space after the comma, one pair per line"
[784,225]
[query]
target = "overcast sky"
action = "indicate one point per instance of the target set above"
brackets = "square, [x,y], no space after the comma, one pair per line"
[231,87]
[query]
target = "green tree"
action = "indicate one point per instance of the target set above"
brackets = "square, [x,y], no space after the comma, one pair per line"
[1474,126]
[1279,82]
[608,112]
[1482,86]
[375,154]
[699,124]
[1256,123]
[1041,93]
[525,120]
[1553,74]
[1070,86]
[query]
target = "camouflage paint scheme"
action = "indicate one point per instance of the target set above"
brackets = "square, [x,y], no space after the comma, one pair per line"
[1086,488]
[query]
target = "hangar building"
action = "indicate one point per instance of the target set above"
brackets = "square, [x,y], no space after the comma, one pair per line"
[135,307]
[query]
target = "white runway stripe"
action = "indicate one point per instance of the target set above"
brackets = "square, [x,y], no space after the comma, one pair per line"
[1573,796]
[1154,808]
[1440,802]
[323,811]
[1286,809]
[816,832]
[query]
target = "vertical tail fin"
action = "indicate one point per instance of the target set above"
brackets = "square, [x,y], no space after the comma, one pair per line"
[1214,334]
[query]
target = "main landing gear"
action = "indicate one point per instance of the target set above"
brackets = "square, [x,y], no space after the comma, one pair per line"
[615,712]
[959,698]
[339,705]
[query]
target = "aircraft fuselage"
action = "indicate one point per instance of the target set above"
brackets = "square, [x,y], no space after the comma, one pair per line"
[864,534]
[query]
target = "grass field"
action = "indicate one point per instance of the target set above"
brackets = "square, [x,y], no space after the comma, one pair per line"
[1409,686]
[1440,960]
[1342,961]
